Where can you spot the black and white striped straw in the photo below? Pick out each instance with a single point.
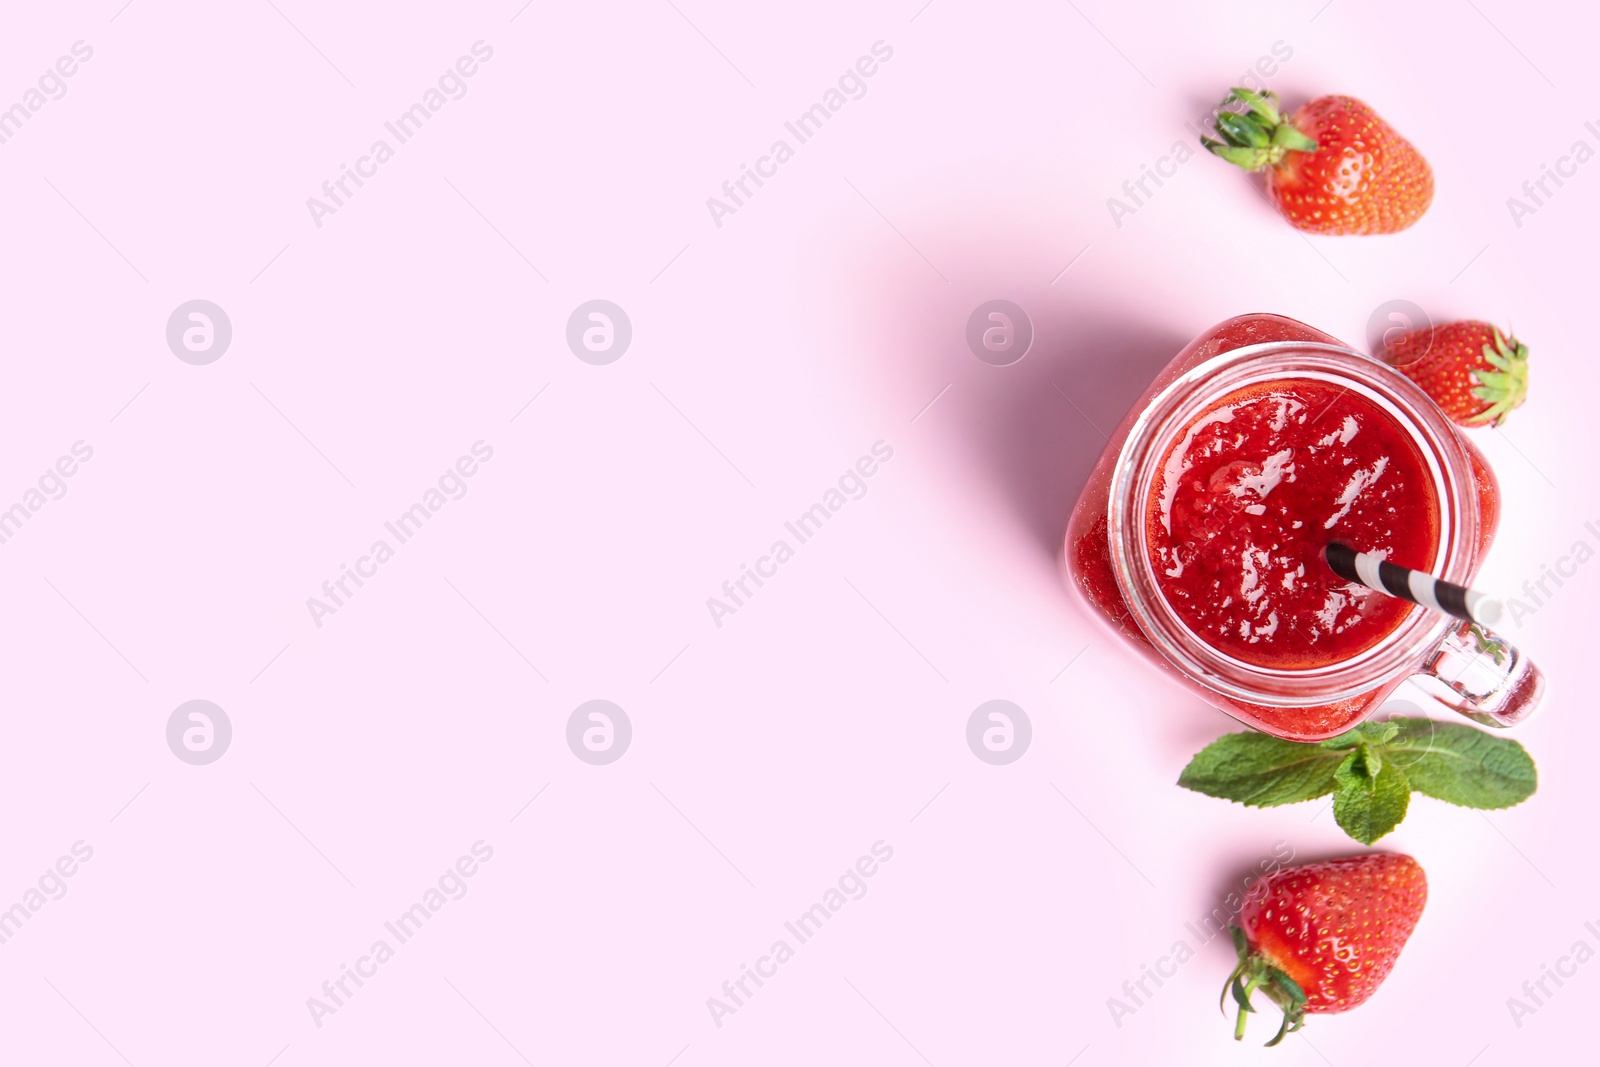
(1419, 587)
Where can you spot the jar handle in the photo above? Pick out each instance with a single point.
(1498, 685)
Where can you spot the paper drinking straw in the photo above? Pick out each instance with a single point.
(1419, 587)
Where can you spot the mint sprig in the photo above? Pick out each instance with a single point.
(1371, 771)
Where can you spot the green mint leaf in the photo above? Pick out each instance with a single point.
(1463, 765)
(1373, 755)
(1260, 770)
(1370, 798)
(1378, 733)
(1381, 732)
(1352, 770)
(1371, 770)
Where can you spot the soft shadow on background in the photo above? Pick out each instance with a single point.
(1014, 445)
(1028, 434)
(1045, 425)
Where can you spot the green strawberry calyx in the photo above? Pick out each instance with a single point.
(1255, 973)
(1503, 382)
(1258, 137)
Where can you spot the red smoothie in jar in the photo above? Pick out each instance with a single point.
(1088, 561)
(1248, 497)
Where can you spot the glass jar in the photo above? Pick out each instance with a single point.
(1107, 557)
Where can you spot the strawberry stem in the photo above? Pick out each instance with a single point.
(1254, 972)
(1243, 997)
(1258, 137)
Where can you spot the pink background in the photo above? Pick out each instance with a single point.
(771, 752)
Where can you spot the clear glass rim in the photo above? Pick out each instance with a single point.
(1175, 407)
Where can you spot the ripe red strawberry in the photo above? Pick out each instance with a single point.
(1336, 167)
(1322, 937)
(1472, 370)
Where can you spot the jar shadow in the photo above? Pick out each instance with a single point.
(1040, 430)
(1025, 435)
(1013, 442)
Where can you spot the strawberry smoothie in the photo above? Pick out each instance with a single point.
(1246, 500)
(1219, 522)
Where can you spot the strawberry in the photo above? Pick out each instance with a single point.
(1321, 938)
(1475, 373)
(1335, 166)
